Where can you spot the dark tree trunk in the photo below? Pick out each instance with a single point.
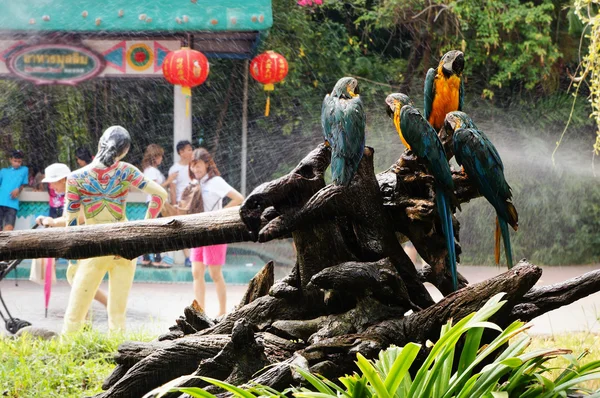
(353, 289)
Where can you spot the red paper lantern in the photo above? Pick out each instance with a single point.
(187, 68)
(269, 68)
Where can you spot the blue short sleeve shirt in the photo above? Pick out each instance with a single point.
(10, 179)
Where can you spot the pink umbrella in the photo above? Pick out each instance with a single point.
(48, 282)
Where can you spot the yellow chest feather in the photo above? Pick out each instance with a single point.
(447, 92)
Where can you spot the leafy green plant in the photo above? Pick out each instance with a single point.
(509, 369)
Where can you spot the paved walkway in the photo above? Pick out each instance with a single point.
(153, 307)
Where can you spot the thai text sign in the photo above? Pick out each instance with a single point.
(55, 64)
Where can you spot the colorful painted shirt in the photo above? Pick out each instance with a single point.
(102, 192)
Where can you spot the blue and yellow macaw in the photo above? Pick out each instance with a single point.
(481, 161)
(444, 88)
(418, 136)
(343, 121)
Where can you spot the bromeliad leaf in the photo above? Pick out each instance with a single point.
(372, 376)
(401, 364)
(315, 381)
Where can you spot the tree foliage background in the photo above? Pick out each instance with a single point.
(519, 55)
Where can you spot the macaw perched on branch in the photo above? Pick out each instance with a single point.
(343, 121)
(481, 161)
(418, 136)
(444, 88)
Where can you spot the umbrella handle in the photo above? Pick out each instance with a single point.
(47, 283)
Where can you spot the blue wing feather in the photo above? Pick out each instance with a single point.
(506, 238)
(326, 113)
(429, 93)
(483, 165)
(347, 123)
(426, 144)
(480, 159)
(448, 229)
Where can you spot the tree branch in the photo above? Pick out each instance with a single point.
(540, 300)
(128, 239)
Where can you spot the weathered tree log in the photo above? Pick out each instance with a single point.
(540, 300)
(129, 240)
(260, 284)
(141, 362)
(334, 340)
(236, 363)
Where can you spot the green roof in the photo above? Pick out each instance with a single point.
(141, 16)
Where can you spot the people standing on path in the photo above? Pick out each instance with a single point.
(184, 150)
(101, 189)
(55, 176)
(12, 181)
(206, 176)
(153, 157)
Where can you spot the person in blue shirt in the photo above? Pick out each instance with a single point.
(12, 181)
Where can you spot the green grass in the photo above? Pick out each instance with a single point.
(67, 367)
(579, 342)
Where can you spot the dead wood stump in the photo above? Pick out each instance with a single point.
(353, 289)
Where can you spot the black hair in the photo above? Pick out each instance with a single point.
(115, 142)
(17, 154)
(182, 144)
(84, 154)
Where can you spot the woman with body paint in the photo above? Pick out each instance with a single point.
(101, 189)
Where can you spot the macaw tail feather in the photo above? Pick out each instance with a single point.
(513, 217)
(446, 218)
(341, 171)
(506, 237)
(497, 243)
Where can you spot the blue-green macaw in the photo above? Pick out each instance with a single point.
(418, 136)
(343, 121)
(482, 164)
(444, 88)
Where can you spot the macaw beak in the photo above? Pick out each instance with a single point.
(455, 64)
(454, 124)
(352, 94)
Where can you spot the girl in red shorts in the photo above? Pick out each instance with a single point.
(204, 171)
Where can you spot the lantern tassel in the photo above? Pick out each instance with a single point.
(187, 91)
(268, 106)
(268, 88)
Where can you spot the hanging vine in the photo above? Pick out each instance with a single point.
(587, 12)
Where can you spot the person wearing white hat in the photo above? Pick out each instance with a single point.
(57, 172)
(56, 177)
